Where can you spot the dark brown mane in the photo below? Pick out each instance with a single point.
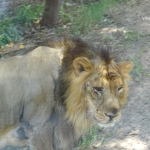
(105, 54)
(78, 48)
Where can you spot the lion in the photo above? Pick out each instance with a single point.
(53, 94)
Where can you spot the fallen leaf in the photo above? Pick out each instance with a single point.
(21, 46)
(37, 21)
(10, 45)
(136, 132)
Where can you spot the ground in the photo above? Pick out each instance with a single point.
(127, 29)
(132, 132)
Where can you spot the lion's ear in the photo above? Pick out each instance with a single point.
(125, 67)
(81, 64)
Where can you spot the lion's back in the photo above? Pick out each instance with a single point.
(27, 85)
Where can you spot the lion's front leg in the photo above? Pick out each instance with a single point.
(41, 138)
(13, 137)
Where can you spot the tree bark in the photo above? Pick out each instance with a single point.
(51, 13)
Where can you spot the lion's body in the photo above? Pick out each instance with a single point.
(27, 85)
(51, 96)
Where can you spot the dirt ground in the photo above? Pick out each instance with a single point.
(132, 132)
(127, 29)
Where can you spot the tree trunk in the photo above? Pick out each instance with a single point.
(51, 13)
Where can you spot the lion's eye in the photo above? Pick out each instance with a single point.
(120, 89)
(98, 89)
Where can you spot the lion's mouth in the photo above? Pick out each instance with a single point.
(104, 124)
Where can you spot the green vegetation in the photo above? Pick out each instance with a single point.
(24, 15)
(27, 14)
(75, 19)
(131, 36)
(8, 32)
(138, 70)
(79, 19)
(89, 138)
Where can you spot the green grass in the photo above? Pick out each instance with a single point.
(8, 32)
(130, 36)
(24, 15)
(89, 138)
(75, 20)
(27, 14)
(84, 17)
(138, 69)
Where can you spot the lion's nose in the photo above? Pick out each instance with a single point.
(110, 117)
(114, 111)
(112, 114)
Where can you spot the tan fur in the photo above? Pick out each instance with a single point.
(55, 94)
(27, 85)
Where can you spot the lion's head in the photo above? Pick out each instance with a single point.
(96, 85)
